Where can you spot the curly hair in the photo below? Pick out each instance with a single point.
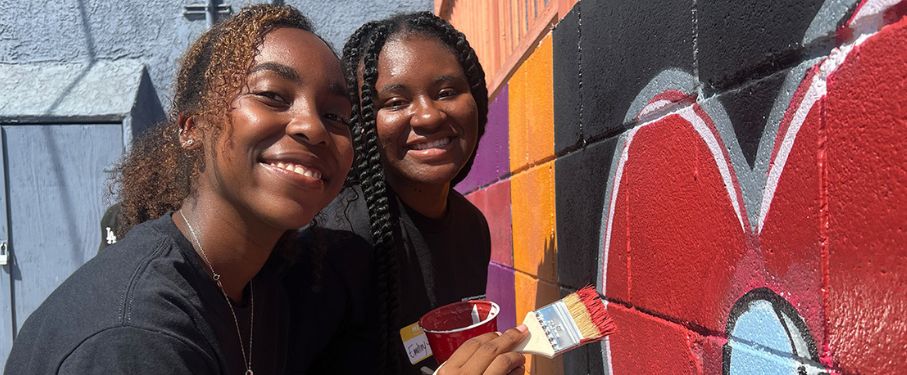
(360, 57)
(157, 174)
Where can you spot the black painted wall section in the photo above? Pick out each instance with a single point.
(580, 188)
(625, 44)
(743, 40)
(568, 128)
(748, 107)
(580, 195)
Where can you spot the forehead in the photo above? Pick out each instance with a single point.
(298, 49)
(416, 54)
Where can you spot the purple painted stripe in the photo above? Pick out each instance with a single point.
(493, 155)
(500, 290)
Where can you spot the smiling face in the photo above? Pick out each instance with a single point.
(427, 119)
(287, 149)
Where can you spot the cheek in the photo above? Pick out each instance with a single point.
(391, 128)
(467, 114)
(391, 137)
(344, 146)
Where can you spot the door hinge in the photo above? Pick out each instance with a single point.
(4, 253)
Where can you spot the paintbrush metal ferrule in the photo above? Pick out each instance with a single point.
(552, 331)
(559, 326)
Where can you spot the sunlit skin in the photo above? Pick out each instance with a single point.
(284, 158)
(427, 120)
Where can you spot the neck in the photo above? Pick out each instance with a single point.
(430, 200)
(235, 245)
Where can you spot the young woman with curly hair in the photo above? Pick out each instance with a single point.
(257, 143)
(400, 239)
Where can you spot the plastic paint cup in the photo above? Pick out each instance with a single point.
(449, 326)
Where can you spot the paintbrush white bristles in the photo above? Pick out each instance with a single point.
(581, 316)
(589, 313)
(577, 319)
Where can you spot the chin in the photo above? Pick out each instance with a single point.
(296, 221)
(291, 215)
(436, 179)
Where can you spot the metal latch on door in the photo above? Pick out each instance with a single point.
(4, 253)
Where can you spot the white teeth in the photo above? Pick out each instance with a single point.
(433, 144)
(298, 169)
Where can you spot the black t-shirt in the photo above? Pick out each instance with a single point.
(443, 261)
(145, 305)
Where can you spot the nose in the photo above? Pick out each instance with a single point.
(307, 126)
(427, 114)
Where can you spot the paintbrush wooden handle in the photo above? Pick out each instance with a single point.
(537, 342)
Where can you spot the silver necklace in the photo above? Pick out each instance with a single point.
(216, 277)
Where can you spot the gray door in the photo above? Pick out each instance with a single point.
(56, 182)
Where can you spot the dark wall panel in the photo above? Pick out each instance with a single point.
(625, 44)
(742, 40)
(568, 128)
(581, 179)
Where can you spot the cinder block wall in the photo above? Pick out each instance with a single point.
(730, 175)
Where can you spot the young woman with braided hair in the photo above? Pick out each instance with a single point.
(257, 143)
(417, 244)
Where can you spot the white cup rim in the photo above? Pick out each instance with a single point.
(492, 313)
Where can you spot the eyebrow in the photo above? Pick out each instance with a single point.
(288, 73)
(338, 89)
(396, 86)
(392, 87)
(283, 71)
(445, 78)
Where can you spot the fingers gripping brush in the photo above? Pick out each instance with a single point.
(577, 319)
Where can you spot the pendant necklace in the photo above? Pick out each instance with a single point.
(216, 277)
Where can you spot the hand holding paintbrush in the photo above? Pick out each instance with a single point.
(577, 319)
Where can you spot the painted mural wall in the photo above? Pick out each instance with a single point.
(730, 175)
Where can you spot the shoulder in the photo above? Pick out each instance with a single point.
(463, 210)
(137, 350)
(104, 294)
(347, 212)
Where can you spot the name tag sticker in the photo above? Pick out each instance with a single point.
(415, 343)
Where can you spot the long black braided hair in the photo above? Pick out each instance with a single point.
(360, 57)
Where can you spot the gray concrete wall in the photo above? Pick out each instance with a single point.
(153, 32)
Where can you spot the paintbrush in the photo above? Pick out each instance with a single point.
(577, 319)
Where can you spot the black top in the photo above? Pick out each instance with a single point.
(145, 305)
(443, 261)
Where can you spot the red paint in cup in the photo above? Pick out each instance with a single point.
(449, 326)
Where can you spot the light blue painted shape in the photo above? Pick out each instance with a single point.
(746, 360)
(760, 343)
(57, 181)
(6, 312)
(761, 325)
